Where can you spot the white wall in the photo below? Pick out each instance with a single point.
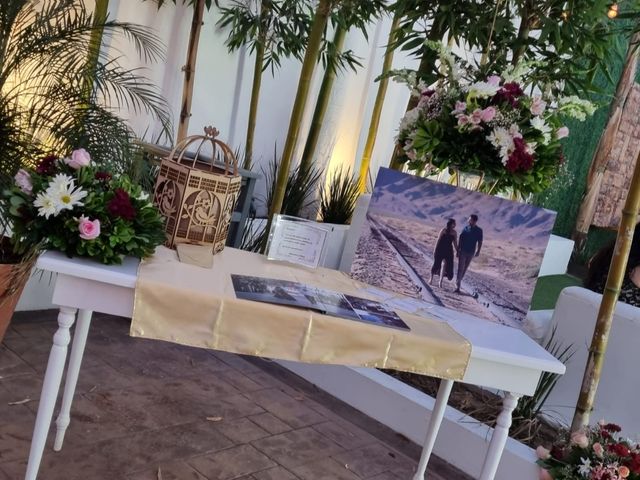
(223, 80)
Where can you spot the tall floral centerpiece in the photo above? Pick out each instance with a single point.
(77, 207)
(491, 125)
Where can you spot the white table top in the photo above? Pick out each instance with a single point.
(490, 342)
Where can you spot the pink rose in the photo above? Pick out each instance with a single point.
(545, 475)
(579, 439)
(460, 107)
(476, 116)
(79, 158)
(494, 80)
(562, 132)
(543, 453)
(537, 106)
(23, 181)
(463, 120)
(598, 450)
(89, 229)
(488, 114)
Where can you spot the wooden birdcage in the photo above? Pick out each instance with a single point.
(197, 197)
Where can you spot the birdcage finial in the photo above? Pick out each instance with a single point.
(211, 131)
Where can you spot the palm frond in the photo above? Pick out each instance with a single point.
(52, 98)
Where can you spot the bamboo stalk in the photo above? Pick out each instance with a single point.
(304, 83)
(610, 296)
(253, 106)
(95, 43)
(322, 102)
(605, 144)
(374, 123)
(523, 32)
(190, 69)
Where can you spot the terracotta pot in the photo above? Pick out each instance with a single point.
(13, 278)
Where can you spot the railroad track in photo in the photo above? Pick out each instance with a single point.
(478, 297)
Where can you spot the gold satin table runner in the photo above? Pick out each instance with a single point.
(196, 306)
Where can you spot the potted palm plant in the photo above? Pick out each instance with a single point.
(337, 204)
(59, 92)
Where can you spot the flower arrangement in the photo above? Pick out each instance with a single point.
(72, 205)
(596, 453)
(486, 124)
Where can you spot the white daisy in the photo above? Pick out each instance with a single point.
(46, 205)
(66, 199)
(61, 183)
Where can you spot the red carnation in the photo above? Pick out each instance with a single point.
(103, 176)
(520, 160)
(509, 93)
(120, 205)
(47, 165)
(619, 449)
(612, 427)
(634, 464)
(557, 452)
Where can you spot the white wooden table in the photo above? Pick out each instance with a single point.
(502, 358)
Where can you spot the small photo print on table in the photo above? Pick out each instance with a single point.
(295, 294)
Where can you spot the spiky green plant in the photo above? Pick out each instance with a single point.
(59, 90)
(338, 199)
(299, 197)
(530, 407)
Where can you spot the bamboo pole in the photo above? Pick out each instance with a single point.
(610, 296)
(605, 144)
(253, 106)
(95, 43)
(190, 69)
(304, 83)
(322, 102)
(374, 123)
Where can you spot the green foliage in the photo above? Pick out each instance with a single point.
(280, 26)
(338, 200)
(299, 194)
(44, 74)
(530, 407)
(569, 41)
(126, 221)
(348, 15)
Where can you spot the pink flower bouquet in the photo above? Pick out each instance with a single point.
(487, 125)
(597, 453)
(72, 205)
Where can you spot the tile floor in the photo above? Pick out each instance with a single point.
(147, 410)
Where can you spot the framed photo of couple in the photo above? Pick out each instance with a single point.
(453, 247)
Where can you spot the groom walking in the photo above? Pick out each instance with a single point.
(468, 247)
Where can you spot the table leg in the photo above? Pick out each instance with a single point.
(434, 425)
(73, 370)
(50, 388)
(499, 437)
